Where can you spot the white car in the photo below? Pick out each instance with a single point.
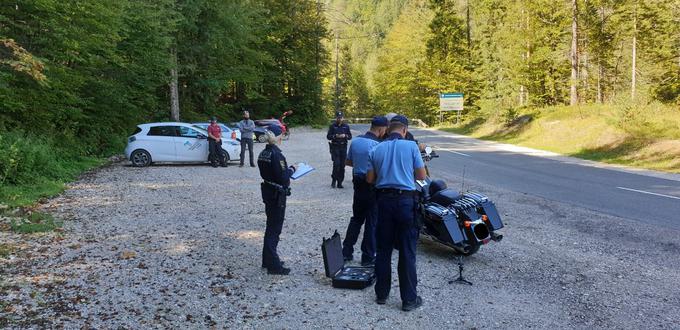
(173, 142)
(227, 132)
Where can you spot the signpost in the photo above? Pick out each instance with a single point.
(450, 102)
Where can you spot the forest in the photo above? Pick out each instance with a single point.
(77, 76)
(400, 54)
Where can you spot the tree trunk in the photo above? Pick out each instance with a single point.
(337, 85)
(174, 90)
(633, 76)
(574, 53)
(524, 91)
(469, 38)
(600, 67)
(599, 83)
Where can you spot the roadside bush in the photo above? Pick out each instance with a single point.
(509, 115)
(26, 159)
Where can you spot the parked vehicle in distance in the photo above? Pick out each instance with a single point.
(173, 142)
(228, 132)
(258, 134)
(262, 125)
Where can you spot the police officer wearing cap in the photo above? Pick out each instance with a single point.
(409, 136)
(338, 135)
(275, 174)
(394, 165)
(364, 209)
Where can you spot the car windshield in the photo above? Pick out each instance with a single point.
(200, 129)
(204, 126)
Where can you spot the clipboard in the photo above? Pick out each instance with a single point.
(302, 170)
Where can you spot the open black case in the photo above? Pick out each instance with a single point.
(350, 277)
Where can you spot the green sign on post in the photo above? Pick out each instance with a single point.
(451, 102)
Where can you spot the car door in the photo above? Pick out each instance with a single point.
(161, 143)
(191, 145)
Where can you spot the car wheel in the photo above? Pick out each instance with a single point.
(262, 138)
(224, 158)
(140, 158)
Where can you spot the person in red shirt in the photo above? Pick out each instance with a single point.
(214, 140)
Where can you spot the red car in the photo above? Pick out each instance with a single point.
(265, 123)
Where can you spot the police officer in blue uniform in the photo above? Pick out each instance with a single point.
(364, 209)
(394, 165)
(338, 135)
(275, 174)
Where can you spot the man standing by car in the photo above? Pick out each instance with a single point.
(338, 135)
(394, 165)
(275, 174)
(364, 209)
(246, 126)
(214, 141)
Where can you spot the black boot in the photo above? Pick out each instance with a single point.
(333, 184)
(280, 271)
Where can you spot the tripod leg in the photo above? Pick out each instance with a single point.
(460, 279)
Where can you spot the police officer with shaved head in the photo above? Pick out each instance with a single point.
(364, 209)
(338, 135)
(393, 167)
(275, 174)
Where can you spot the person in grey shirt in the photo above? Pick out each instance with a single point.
(246, 126)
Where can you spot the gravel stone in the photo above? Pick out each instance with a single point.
(179, 246)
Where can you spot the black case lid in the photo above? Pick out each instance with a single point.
(332, 255)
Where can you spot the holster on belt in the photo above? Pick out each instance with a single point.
(360, 180)
(417, 213)
(280, 192)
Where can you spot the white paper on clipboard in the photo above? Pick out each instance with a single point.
(302, 170)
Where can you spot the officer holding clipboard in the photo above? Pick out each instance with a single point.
(275, 188)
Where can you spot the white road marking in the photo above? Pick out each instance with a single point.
(459, 153)
(648, 193)
(451, 150)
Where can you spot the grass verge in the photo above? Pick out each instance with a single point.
(35, 222)
(6, 250)
(34, 167)
(644, 136)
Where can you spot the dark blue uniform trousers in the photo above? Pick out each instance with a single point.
(396, 226)
(275, 215)
(365, 212)
(338, 155)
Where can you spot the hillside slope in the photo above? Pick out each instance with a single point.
(640, 136)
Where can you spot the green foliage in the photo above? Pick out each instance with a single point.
(32, 167)
(5, 251)
(510, 54)
(26, 159)
(398, 84)
(35, 222)
(77, 76)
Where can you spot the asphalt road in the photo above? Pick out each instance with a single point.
(648, 197)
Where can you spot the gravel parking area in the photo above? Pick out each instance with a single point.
(179, 246)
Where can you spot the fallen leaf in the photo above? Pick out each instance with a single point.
(126, 255)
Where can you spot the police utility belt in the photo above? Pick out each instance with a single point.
(279, 188)
(399, 192)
